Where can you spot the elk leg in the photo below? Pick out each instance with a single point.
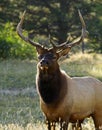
(97, 118)
(48, 125)
(78, 125)
(53, 125)
(73, 126)
(65, 125)
(61, 126)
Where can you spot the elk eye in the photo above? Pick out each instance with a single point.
(51, 56)
(54, 57)
(40, 57)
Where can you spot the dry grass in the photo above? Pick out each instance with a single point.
(40, 126)
(84, 64)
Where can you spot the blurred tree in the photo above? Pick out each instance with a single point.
(54, 17)
(95, 26)
(46, 17)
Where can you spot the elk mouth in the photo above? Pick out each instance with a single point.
(44, 67)
(44, 64)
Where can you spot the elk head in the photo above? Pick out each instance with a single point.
(49, 56)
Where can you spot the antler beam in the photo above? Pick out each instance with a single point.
(26, 39)
(83, 34)
(70, 45)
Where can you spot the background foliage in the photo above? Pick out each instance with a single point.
(59, 18)
(19, 103)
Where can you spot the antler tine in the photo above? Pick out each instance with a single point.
(58, 47)
(52, 42)
(82, 20)
(19, 31)
(83, 33)
(61, 46)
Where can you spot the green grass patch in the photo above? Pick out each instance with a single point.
(17, 74)
(19, 110)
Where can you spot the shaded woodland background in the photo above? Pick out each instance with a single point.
(59, 18)
(19, 102)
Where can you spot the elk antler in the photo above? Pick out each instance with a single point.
(64, 46)
(27, 39)
(83, 34)
(67, 47)
(57, 47)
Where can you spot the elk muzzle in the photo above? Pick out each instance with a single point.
(44, 63)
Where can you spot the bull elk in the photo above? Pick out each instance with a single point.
(64, 99)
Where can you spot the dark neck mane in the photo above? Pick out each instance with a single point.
(49, 86)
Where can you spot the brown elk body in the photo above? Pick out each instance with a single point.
(62, 98)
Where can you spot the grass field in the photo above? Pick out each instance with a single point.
(19, 102)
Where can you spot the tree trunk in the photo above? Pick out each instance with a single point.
(83, 47)
(62, 22)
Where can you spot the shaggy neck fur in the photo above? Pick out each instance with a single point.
(49, 85)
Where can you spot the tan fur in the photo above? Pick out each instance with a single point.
(83, 98)
(75, 98)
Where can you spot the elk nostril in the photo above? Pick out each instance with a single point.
(44, 62)
(47, 62)
(41, 62)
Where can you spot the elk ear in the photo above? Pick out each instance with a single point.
(64, 52)
(39, 50)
